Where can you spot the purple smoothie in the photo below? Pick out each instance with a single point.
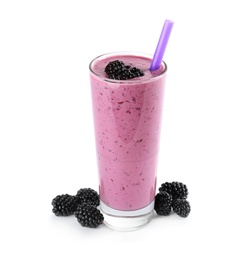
(127, 120)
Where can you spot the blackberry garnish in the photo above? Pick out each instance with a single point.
(114, 67)
(181, 207)
(64, 205)
(178, 190)
(163, 203)
(88, 196)
(118, 70)
(88, 216)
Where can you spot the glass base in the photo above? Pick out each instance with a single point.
(127, 220)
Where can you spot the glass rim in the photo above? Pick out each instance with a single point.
(131, 81)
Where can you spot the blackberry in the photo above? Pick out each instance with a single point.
(163, 203)
(181, 207)
(118, 70)
(88, 216)
(64, 205)
(178, 190)
(88, 196)
(114, 67)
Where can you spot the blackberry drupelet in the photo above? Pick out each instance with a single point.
(118, 70)
(88, 216)
(178, 190)
(64, 205)
(163, 203)
(181, 207)
(88, 196)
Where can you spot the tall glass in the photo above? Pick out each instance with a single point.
(127, 123)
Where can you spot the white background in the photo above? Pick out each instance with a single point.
(46, 126)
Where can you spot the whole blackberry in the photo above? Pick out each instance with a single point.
(88, 216)
(118, 70)
(64, 205)
(178, 190)
(88, 196)
(114, 67)
(181, 207)
(163, 203)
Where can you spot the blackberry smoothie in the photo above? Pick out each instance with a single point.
(127, 121)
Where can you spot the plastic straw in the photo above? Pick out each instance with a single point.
(161, 46)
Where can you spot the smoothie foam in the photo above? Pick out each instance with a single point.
(127, 119)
